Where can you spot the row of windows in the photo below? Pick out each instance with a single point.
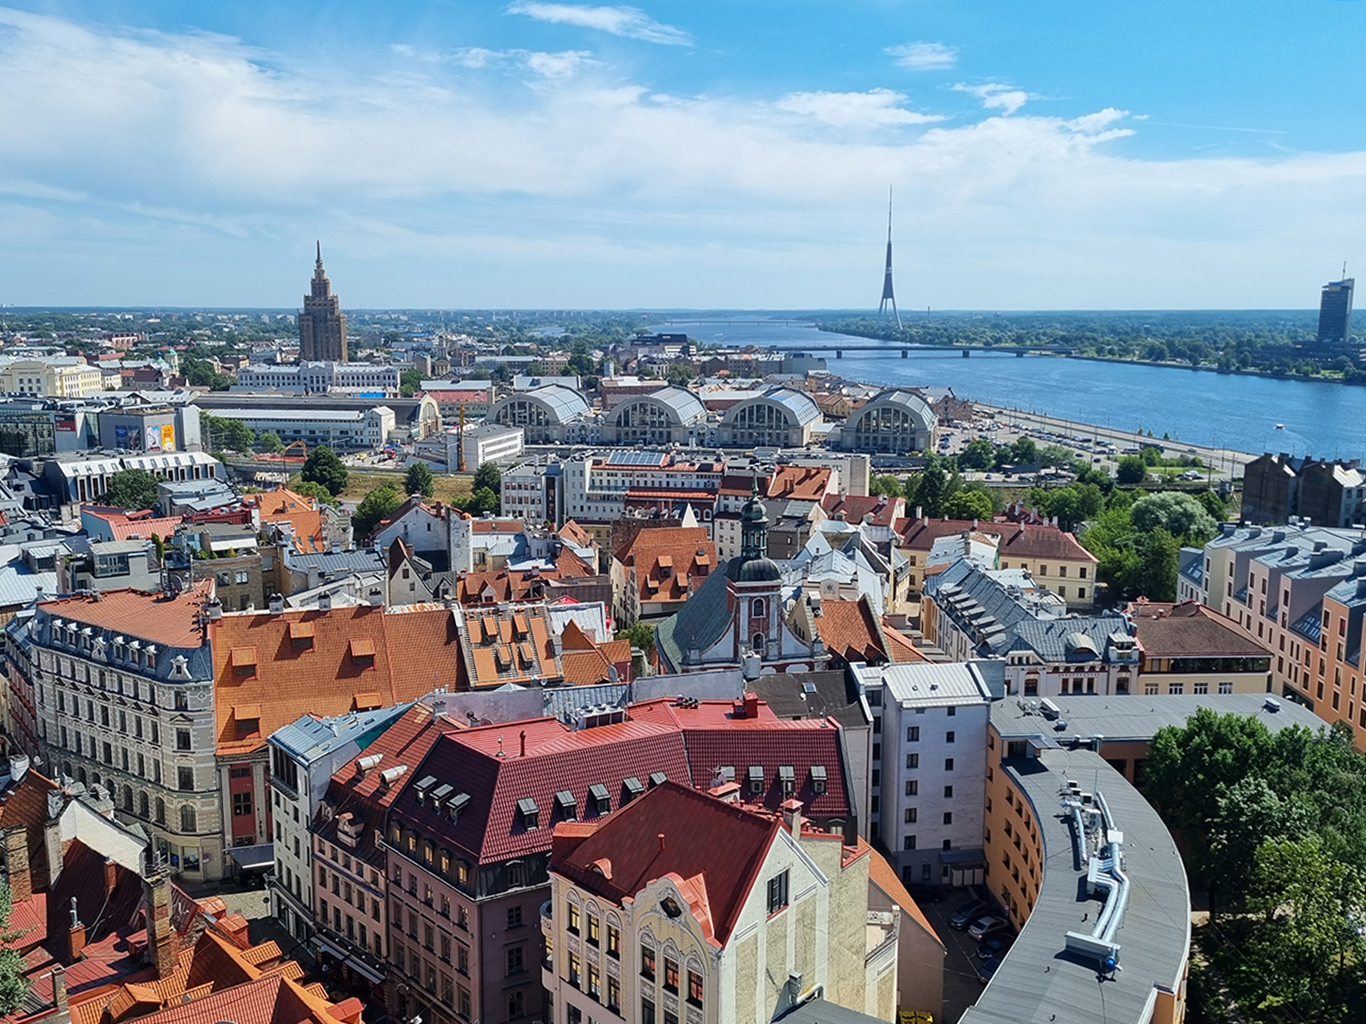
(593, 931)
(106, 753)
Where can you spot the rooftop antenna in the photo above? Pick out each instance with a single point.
(887, 295)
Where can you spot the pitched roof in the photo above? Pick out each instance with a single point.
(797, 695)
(26, 805)
(148, 615)
(357, 658)
(285, 506)
(1025, 540)
(124, 525)
(885, 511)
(506, 644)
(852, 630)
(715, 847)
(883, 875)
(801, 482)
(1191, 630)
(669, 562)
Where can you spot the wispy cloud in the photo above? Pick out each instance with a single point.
(923, 56)
(995, 96)
(562, 64)
(850, 109)
(630, 22)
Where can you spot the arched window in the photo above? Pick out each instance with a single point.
(186, 818)
(760, 644)
(143, 804)
(80, 775)
(128, 799)
(161, 811)
(757, 608)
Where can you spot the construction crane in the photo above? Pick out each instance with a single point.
(460, 441)
(303, 449)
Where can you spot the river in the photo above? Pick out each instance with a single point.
(1196, 406)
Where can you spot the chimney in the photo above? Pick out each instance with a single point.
(161, 940)
(215, 609)
(661, 842)
(18, 768)
(751, 705)
(16, 857)
(63, 1012)
(727, 792)
(324, 602)
(111, 877)
(523, 744)
(792, 817)
(276, 604)
(75, 939)
(376, 597)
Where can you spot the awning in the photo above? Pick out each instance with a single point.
(963, 858)
(260, 857)
(359, 966)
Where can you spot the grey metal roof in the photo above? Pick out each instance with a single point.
(930, 684)
(1135, 717)
(18, 586)
(309, 738)
(1038, 981)
(358, 560)
(698, 624)
(565, 702)
(830, 695)
(560, 403)
(905, 401)
(798, 404)
(818, 1011)
(1085, 638)
(680, 404)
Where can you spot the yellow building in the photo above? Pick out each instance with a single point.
(686, 907)
(58, 377)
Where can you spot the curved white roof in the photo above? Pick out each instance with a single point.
(798, 404)
(682, 405)
(904, 400)
(561, 404)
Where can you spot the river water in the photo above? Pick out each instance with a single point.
(1196, 406)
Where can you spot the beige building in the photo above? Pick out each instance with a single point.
(58, 377)
(687, 907)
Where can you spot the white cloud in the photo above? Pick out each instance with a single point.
(563, 64)
(923, 56)
(995, 96)
(631, 22)
(848, 109)
(447, 188)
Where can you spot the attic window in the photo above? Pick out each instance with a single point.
(727, 772)
(756, 778)
(818, 778)
(247, 718)
(243, 661)
(530, 814)
(369, 701)
(458, 803)
(301, 634)
(657, 778)
(787, 775)
(421, 786)
(519, 626)
(441, 793)
(490, 629)
(568, 806)
(634, 787)
(602, 800)
(502, 654)
(363, 652)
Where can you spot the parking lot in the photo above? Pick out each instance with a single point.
(961, 987)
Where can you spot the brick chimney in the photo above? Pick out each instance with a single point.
(75, 937)
(161, 940)
(792, 817)
(751, 705)
(111, 877)
(62, 1013)
(16, 857)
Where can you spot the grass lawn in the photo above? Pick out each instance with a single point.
(361, 483)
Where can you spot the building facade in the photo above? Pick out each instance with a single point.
(322, 324)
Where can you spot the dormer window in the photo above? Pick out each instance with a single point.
(634, 787)
(529, 813)
(818, 778)
(421, 786)
(787, 776)
(151, 656)
(657, 779)
(756, 778)
(567, 805)
(456, 804)
(362, 651)
(243, 662)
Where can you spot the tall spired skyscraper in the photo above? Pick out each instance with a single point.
(322, 324)
(887, 295)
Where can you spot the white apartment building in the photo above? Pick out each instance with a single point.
(51, 377)
(303, 757)
(529, 492)
(597, 486)
(685, 908)
(122, 685)
(929, 767)
(339, 429)
(321, 377)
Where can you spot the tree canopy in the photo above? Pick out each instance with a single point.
(381, 502)
(488, 477)
(13, 985)
(419, 480)
(131, 489)
(324, 467)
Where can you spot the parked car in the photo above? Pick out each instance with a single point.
(967, 913)
(986, 970)
(987, 926)
(994, 947)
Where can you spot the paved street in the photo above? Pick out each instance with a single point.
(961, 987)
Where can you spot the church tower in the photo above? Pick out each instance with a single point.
(322, 324)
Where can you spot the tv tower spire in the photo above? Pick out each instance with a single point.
(887, 294)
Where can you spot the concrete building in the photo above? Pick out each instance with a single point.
(339, 429)
(83, 479)
(150, 428)
(777, 418)
(1277, 488)
(322, 324)
(488, 442)
(123, 684)
(413, 418)
(932, 766)
(1190, 648)
(688, 906)
(110, 565)
(1335, 311)
(321, 377)
(304, 755)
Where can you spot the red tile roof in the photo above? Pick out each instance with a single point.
(148, 616)
(715, 848)
(851, 630)
(126, 525)
(885, 511)
(1190, 630)
(800, 483)
(1017, 540)
(669, 563)
(357, 657)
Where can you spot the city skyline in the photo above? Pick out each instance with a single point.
(544, 155)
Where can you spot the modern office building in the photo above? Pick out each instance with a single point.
(322, 324)
(1335, 310)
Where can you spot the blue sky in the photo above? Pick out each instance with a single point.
(681, 154)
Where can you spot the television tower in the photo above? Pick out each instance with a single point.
(887, 295)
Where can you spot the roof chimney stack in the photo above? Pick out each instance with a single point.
(523, 743)
(661, 842)
(16, 857)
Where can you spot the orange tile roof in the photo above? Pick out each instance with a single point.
(881, 874)
(885, 511)
(800, 483)
(669, 562)
(355, 658)
(852, 630)
(507, 645)
(285, 506)
(146, 615)
(127, 525)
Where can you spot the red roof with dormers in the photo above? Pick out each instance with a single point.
(711, 848)
(885, 511)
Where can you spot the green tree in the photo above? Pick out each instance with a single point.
(418, 480)
(375, 506)
(159, 546)
(408, 382)
(318, 492)
(1130, 470)
(885, 484)
(13, 985)
(680, 373)
(132, 489)
(968, 505)
(979, 453)
(1025, 451)
(1213, 504)
(931, 485)
(269, 441)
(1181, 515)
(323, 467)
(1159, 558)
(1247, 814)
(641, 634)
(488, 476)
